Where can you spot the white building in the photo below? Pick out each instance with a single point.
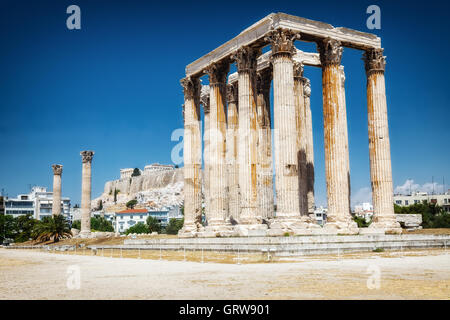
(364, 210)
(128, 218)
(156, 167)
(321, 215)
(38, 203)
(442, 199)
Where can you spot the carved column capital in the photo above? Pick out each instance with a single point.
(330, 51)
(87, 156)
(232, 92)
(218, 73)
(282, 41)
(245, 58)
(57, 169)
(263, 80)
(298, 70)
(374, 60)
(191, 88)
(306, 87)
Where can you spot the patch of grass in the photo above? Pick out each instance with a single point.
(378, 250)
(287, 234)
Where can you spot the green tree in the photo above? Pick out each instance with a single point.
(52, 228)
(99, 223)
(433, 215)
(131, 204)
(137, 228)
(136, 172)
(153, 224)
(361, 222)
(174, 225)
(23, 226)
(7, 227)
(115, 194)
(76, 224)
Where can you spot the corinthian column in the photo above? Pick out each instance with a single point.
(379, 145)
(192, 158)
(207, 158)
(232, 151)
(336, 162)
(86, 157)
(56, 204)
(264, 167)
(218, 171)
(309, 148)
(302, 147)
(344, 125)
(248, 135)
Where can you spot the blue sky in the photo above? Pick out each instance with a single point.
(113, 86)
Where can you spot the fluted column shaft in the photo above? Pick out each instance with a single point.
(232, 151)
(264, 167)
(56, 204)
(218, 205)
(207, 158)
(248, 136)
(379, 144)
(309, 146)
(192, 156)
(285, 127)
(336, 160)
(86, 192)
(344, 125)
(301, 138)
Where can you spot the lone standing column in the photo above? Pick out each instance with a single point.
(338, 218)
(218, 205)
(86, 193)
(309, 147)
(192, 157)
(56, 205)
(379, 145)
(248, 136)
(264, 168)
(232, 151)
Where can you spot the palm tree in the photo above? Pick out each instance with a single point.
(52, 228)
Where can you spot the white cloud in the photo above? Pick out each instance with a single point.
(410, 187)
(362, 195)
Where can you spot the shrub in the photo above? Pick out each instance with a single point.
(174, 226)
(153, 225)
(137, 228)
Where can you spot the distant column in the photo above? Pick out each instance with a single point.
(344, 125)
(217, 214)
(86, 157)
(264, 168)
(309, 147)
(339, 219)
(248, 136)
(56, 204)
(207, 156)
(379, 145)
(232, 151)
(192, 157)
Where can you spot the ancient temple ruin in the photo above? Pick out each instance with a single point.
(237, 178)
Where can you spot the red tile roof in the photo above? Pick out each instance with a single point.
(133, 211)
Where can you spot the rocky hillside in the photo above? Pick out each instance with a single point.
(155, 190)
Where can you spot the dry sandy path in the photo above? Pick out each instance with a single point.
(37, 275)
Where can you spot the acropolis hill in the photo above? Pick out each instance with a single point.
(153, 188)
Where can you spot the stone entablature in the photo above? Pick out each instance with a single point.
(156, 167)
(126, 173)
(309, 30)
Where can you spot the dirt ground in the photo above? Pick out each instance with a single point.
(27, 274)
